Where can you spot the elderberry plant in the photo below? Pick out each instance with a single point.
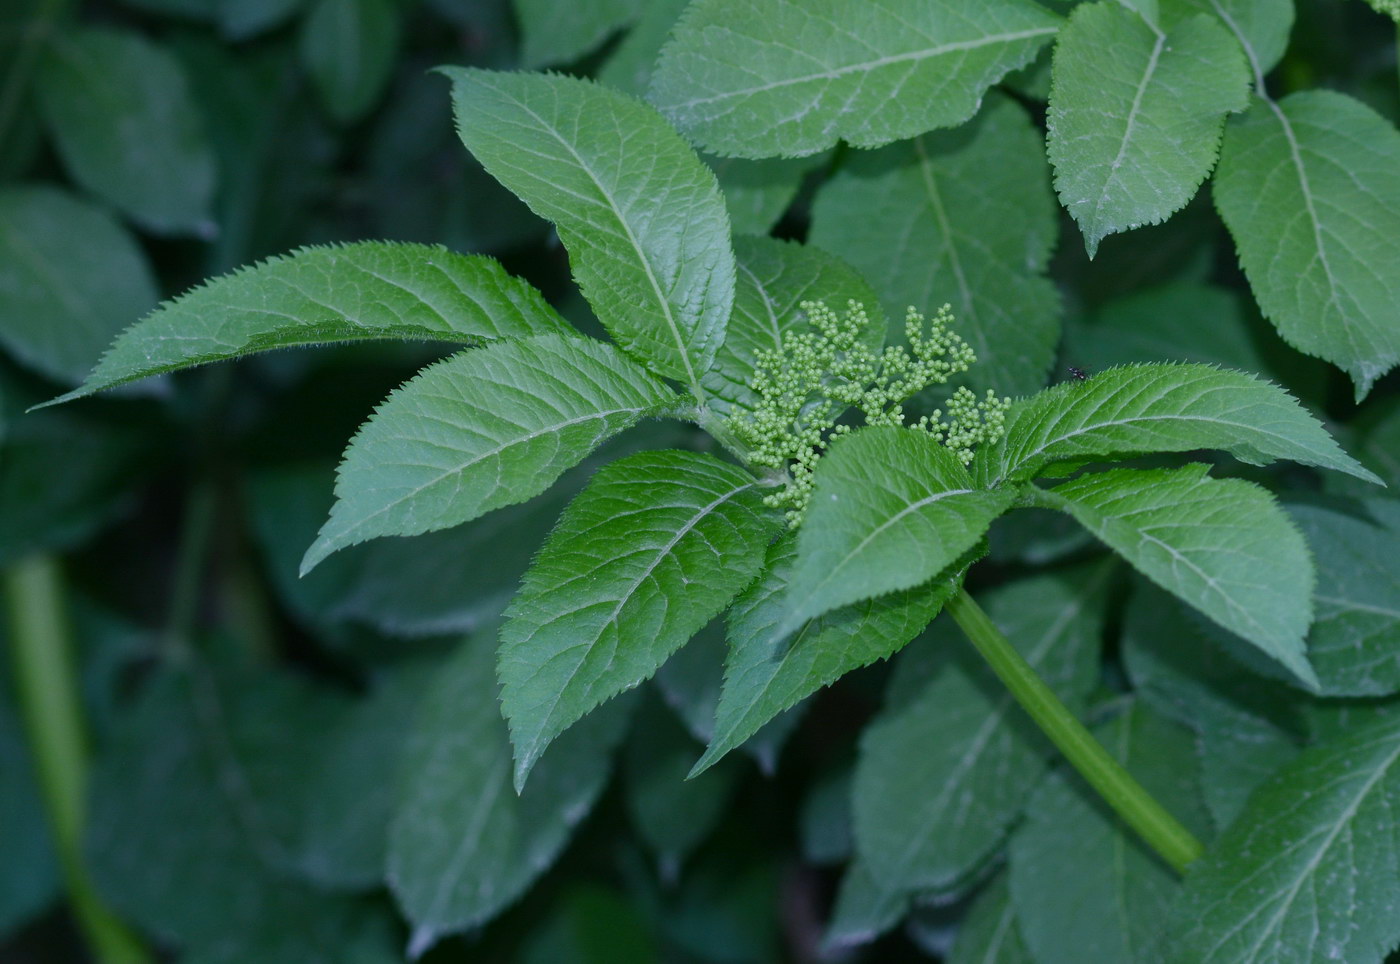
(807, 382)
(630, 512)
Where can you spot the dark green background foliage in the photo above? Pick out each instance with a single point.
(473, 699)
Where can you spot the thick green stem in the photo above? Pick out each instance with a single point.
(1125, 795)
(41, 645)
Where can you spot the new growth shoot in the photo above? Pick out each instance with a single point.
(807, 383)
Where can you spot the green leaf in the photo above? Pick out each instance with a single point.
(756, 193)
(671, 814)
(1356, 635)
(1260, 26)
(768, 670)
(1222, 545)
(891, 508)
(942, 776)
(630, 66)
(1391, 8)
(206, 752)
(1085, 887)
(774, 278)
(590, 622)
(647, 232)
(1320, 246)
(462, 845)
(1160, 408)
(1246, 726)
(989, 933)
(864, 909)
(70, 277)
(349, 48)
(592, 926)
(1184, 321)
(554, 33)
(825, 820)
(33, 882)
(120, 112)
(244, 19)
(1309, 871)
(777, 77)
(486, 428)
(1136, 112)
(965, 217)
(314, 295)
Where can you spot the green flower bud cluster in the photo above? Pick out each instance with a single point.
(806, 384)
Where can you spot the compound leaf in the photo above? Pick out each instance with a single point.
(780, 77)
(654, 547)
(891, 508)
(1137, 409)
(1310, 189)
(1309, 871)
(485, 428)
(1221, 545)
(314, 295)
(965, 217)
(641, 215)
(1136, 112)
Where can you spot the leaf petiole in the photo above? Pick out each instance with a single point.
(1158, 828)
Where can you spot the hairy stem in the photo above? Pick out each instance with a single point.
(1158, 828)
(41, 645)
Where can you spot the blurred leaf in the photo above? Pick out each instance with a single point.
(71, 278)
(964, 217)
(589, 623)
(349, 48)
(314, 295)
(1321, 247)
(1356, 633)
(1136, 112)
(462, 845)
(631, 64)
(592, 926)
(1206, 541)
(891, 508)
(774, 278)
(31, 881)
(555, 33)
(1160, 408)
(1309, 871)
(825, 820)
(486, 428)
(120, 112)
(1085, 887)
(989, 934)
(647, 233)
(942, 777)
(219, 760)
(733, 79)
(242, 19)
(864, 908)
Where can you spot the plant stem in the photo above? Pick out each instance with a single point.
(1158, 828)
(41, 644)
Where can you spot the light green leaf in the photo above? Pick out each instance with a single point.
(1160, 408)
(314, 295)
(774, 278)
(462, 845)
(486, 428)
(349, 48)
(70, 278)
(1260, 26)
(989, 934)
(1310, 871)
(1222, 545)
(965, 217)
(1136, 112)
(555, 33)
(590, 622)
(891, 508)
(1246, 726)
(942, 775)
(647, 232)
(1391, 8)
(121, 114)
(1356, 635)
(779, 77)
(1321, 243)
(1086, 888)
(768, 671)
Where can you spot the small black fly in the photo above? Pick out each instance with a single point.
(1078, 374)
